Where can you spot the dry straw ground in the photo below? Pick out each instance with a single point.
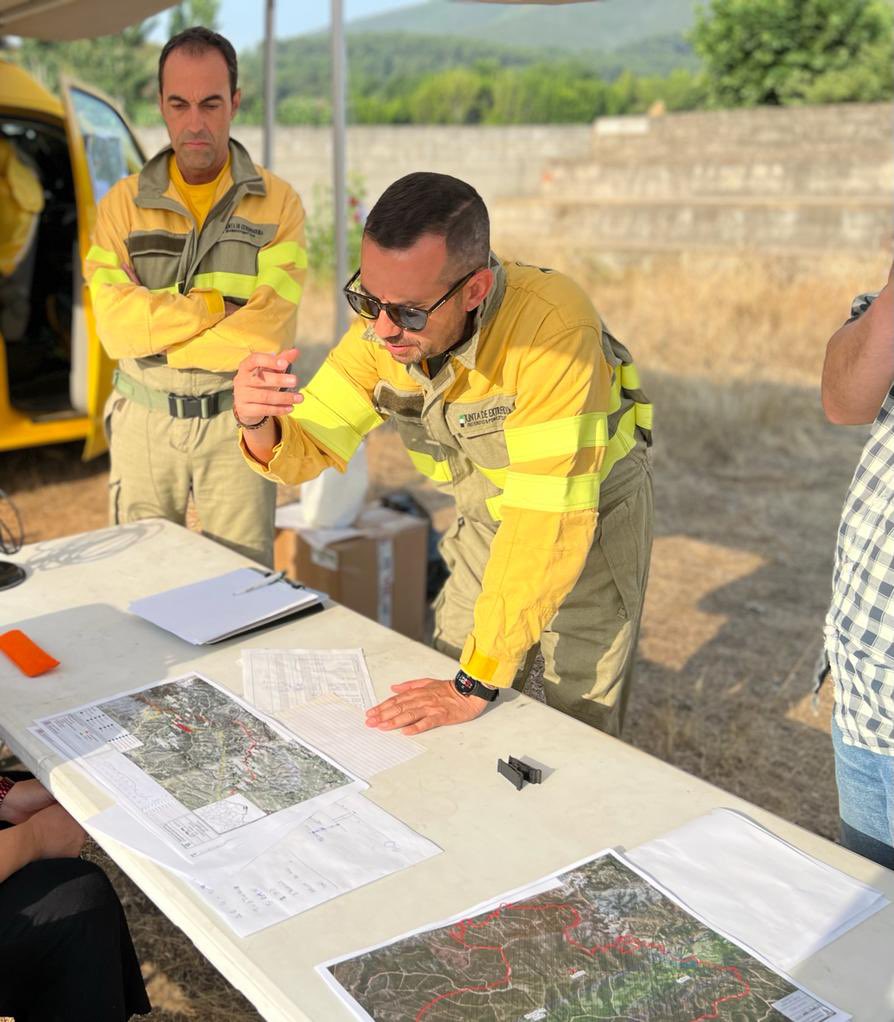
(749, 481)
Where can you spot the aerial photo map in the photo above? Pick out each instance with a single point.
(194, 761)
(604, 944)
(203, 747)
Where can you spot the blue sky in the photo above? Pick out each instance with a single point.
(242, 21)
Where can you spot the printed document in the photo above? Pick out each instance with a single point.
(340, 730)
(280, 679)
(596, 940)
(339, 848)
(199, 765)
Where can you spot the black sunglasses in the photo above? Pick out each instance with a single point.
(405, 316)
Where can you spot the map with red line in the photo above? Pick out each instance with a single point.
(604, 944)
(214, 755)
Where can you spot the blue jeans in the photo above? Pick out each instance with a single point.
(865, 800)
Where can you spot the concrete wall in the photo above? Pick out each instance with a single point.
(777, 180)
(498, 161)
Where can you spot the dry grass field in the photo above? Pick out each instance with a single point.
(749, 481)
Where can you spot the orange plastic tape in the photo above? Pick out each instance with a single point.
(25, 654)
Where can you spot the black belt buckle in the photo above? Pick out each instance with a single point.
(182, 406)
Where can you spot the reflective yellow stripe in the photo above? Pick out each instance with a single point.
(629, 377)
(494, 506)
(496, 475)
(340, 431)
(106, 276)
(243, 285)
(233, 285)
(551, 493)
(102, 255)
(325, 425)
(333, 389)
(285, 286)
(437, 471)
(643, 415)
(282, 254)
(561, 436)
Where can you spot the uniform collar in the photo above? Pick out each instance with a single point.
(466, 352)
(155, 179)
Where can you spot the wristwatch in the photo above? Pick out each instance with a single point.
(466, 685)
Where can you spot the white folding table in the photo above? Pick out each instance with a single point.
(597, 793)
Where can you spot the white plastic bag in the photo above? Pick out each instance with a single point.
(334, 499)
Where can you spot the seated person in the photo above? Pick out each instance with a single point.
(21, 203)
(65, 947)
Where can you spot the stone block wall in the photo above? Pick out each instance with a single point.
(498, 161)
(780, 180)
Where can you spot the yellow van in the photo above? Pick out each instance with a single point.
(54, 375)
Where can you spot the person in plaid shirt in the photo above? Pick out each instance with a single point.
(858, 387)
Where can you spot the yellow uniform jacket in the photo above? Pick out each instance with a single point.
(250, 251)
(522, 423)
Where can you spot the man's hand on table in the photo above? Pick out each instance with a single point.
(25, 798)
(423, 704)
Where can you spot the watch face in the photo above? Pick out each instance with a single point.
(464, 684)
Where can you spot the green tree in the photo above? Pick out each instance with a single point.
(194, 12)
(546, 94)
(123, 65)
(795, 51)
(303, 110)
(460, 95)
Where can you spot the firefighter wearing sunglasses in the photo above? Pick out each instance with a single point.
(509, 392)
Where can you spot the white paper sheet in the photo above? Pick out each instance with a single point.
(198, 765)
(407, 971)
(280, 679)
(756, 887)
(339, 728)
(340, 848)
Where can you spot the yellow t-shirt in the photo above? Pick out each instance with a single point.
(198, 199)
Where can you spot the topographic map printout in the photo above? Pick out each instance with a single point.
(597, 941)
(197, 763)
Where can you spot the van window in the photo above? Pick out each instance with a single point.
(111, 150)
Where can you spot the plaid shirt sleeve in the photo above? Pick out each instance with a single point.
(859, 628)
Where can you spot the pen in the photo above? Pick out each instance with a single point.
(267, 581)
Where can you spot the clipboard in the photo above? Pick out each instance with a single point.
(218, 608)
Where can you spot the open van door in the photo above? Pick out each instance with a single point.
(103, 150)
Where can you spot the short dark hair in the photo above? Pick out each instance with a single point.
(428, 203)
(196, 41)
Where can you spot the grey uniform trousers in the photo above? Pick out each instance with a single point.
(589, 647)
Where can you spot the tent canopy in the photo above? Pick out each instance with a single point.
(73, 19)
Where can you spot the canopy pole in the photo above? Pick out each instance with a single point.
(339, 147)
(269, 82)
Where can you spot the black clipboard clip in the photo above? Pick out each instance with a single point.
(519, 773)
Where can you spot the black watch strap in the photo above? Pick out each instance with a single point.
(466, 685)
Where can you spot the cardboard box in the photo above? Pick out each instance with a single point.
(378, 569)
